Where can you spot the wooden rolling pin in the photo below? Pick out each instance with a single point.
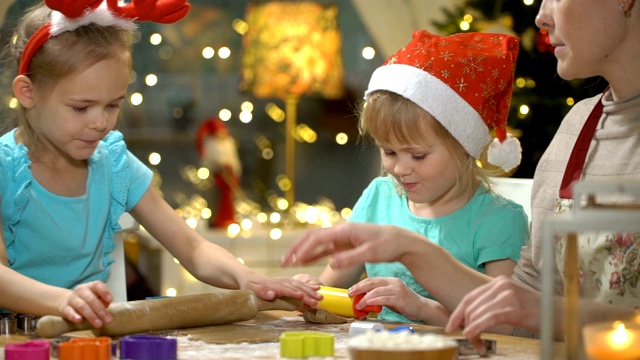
(132, 317)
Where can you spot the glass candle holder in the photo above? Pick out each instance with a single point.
(612, 340)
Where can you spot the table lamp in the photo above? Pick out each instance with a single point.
(291, 49)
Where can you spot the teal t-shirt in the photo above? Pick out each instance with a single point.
(66, 241)
(489, 227)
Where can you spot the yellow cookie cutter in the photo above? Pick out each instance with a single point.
(304, 344)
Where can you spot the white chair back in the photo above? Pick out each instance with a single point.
(117, 282)
(515, 189)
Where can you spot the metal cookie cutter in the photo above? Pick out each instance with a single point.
(465, 348)
(304, 344)
(30, 350)
(147, 347)
(27, 323)
(54, 343)
(8, 323)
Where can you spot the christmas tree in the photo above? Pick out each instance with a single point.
(540, 97)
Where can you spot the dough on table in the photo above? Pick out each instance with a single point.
(319, 316)
(265, 327)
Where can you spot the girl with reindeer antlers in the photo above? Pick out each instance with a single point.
(66, 176)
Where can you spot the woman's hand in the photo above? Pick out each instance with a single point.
(499, 302)
(397, 296)
(270, 288)
(352, 244)
(88, 301)
(308, 279)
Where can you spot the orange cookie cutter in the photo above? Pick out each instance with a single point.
(85, 349)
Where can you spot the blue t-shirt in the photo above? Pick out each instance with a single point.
(489, 227)
(66, 241)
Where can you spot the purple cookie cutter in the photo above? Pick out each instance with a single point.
(145, 347)
(30, 350)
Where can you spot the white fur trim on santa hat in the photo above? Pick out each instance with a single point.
(438, 99)
(101, 16)
(506, 154)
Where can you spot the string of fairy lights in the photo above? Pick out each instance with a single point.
(280, 215)
(249, 212)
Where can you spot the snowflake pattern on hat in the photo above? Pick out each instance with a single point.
(465, 81)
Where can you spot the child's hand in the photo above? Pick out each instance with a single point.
(397, 296)
(268, 288)
(88, 301)
(307, 279)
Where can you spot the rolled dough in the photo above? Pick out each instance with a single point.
(265, 327)
(319, 316)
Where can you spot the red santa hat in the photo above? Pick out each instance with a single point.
(68, 15)
(465, 81)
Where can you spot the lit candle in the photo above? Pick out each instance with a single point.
(603, 341)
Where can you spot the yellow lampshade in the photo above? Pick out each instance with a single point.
(292, 49)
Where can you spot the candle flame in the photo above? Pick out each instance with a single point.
(620, 337)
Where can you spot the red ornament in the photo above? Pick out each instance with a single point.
(543, 43)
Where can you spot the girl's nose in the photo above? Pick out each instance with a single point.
(402, 168)
(99, 122)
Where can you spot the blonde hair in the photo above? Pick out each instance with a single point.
(389, 117)
(63, 55)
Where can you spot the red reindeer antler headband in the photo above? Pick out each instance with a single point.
(68, 15)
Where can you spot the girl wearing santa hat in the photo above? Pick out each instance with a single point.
(430, 108)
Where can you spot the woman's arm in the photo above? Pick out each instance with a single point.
(500, 267)
(352, 244)
(341, 278)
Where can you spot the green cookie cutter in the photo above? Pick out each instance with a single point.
(304, 344)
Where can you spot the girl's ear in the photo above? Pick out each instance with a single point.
(23, 91)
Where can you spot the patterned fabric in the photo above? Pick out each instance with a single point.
(609, 265)
(609, 269)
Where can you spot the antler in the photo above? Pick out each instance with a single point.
(160, 11)
(72, 8)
